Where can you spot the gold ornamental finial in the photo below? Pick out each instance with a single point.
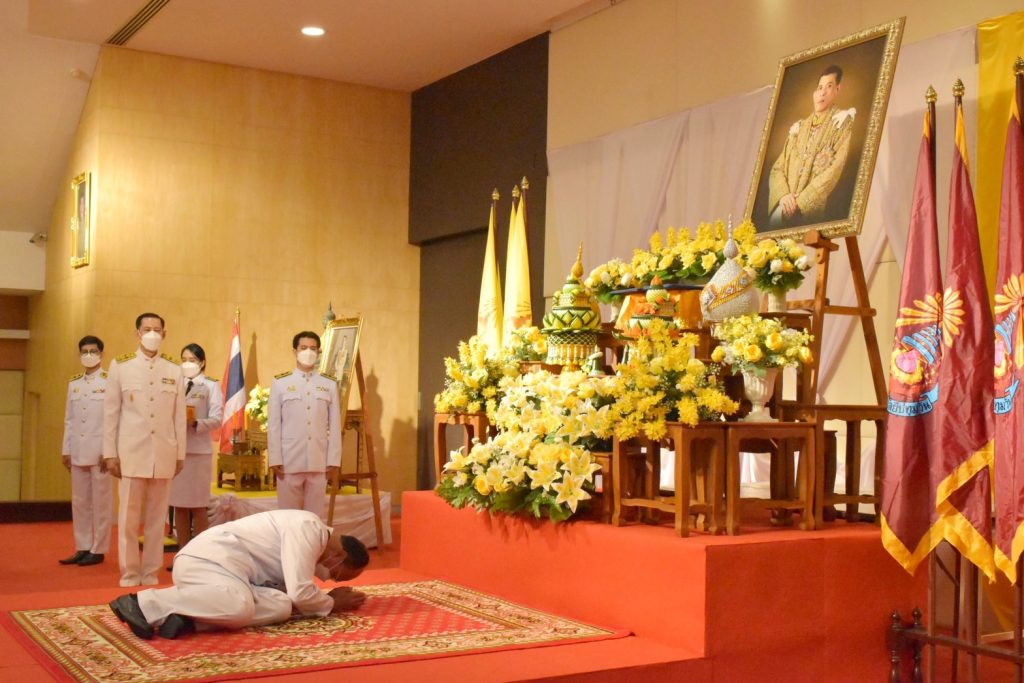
(515, 192)
(525, 184)
(1018, 67)
(930, 96)
(494, 195)
(577, 268)
(958, 88)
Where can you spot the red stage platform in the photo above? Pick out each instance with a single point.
(767, 605)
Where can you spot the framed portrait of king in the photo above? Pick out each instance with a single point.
(338, 356)
(820, 141)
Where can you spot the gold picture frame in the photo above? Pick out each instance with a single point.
(81, 223)
(814, 171)
(339, 353)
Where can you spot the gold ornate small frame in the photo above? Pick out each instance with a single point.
(868, 59)
(81, 223)
(338, 355)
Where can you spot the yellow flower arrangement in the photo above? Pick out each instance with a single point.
(662, 381)
(608, 277)
(682, 257)
(754, 344)
(540, 461)
(256, 406)
(527, 344)
(778, 265)
(472, 382)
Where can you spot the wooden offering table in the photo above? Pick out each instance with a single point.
(778, 434)
(475, 425)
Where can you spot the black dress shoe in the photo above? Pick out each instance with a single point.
(74, 559)
(126, 608)
(90, 558)
(176, 625)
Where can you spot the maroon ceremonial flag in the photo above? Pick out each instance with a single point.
(1009, 351)
(962, 449)
(910, 528)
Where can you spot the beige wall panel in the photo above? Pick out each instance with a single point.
(221, 188)
(10, 437)
(12, 390)
(10, 480)
(643, 59)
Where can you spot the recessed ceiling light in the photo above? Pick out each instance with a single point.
(312, 31)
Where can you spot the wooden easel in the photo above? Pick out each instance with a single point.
(356, 420)
(807, 407)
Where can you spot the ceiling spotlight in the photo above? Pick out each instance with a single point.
(312, 31)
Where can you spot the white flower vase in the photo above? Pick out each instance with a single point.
(777, 301)
(758, 391)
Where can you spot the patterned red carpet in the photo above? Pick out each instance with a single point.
(399, 621)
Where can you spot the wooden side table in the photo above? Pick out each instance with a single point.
(801, 499)
(603, 505)
(474, 424)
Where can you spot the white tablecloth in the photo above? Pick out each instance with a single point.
(353, 512)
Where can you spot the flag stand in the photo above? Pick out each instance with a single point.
(356, 420)
(807, 405)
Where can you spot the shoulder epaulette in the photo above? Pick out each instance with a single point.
(103, 374)
(168, 358)
(330, 377)
(78, 376)
(212, 379)
(125, 357)
(283, 374)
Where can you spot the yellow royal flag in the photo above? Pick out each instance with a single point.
(488, 317)
(518, 309)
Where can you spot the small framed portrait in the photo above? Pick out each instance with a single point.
(338, 357)
(80, 221)
(820, 141)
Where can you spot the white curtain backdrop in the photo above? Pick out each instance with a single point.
(613, 192)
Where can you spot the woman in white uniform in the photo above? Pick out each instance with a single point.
(190, 490)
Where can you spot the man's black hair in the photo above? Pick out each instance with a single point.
(834, 70)
(305, 334)
(357, 556)
(138, 321)
(89, 339)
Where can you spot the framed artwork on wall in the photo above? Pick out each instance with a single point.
(819, 144)
(80, 220)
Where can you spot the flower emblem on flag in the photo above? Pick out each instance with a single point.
(1009, 342)
(925, 327)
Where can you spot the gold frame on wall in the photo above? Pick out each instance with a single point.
(341, 334)
(864, 51)
(81, 223)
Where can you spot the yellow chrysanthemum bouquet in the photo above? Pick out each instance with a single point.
(256, 406)
(472, 381)
(527, 344)
(750, 343)
(609, 277)
(662, 381)
(540, 462)
(682, 257)
(778, 265)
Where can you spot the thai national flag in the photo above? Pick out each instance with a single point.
(233, 386)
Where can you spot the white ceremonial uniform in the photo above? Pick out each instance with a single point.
(92, 491)
(253, 571)
(191, 487)
(144, 428)
(303, 435)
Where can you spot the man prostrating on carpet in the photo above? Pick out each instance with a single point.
(254, 571)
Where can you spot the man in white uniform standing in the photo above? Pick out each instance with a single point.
(303, 429)
(92, 493)
(144, 446)
(254, 571)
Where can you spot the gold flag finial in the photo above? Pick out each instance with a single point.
(238, 314)
(525, 184)
(958, 88)
(1018, 67)
(494, 195)
(577, 268)
(515, 192)
(930, 96)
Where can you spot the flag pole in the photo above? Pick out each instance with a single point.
(930, 96)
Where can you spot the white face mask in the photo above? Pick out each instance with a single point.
(152, 340)
(190, 369)
(307, 357)
(90, 360)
